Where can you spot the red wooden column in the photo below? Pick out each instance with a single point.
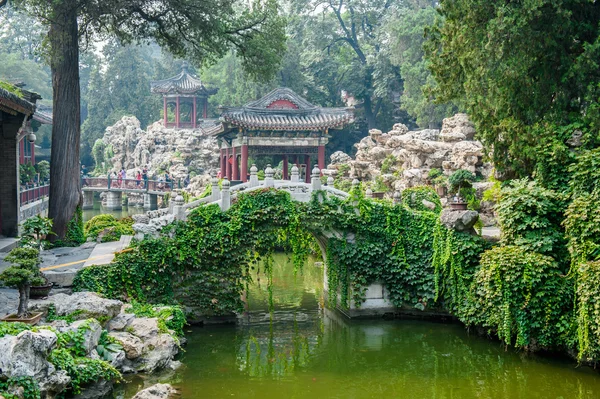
(236, 171)
(228, 162)
(177, 113)
(223, 163)
(321, 158)
(194, 118)
(244, 163)
(166, 111)
(308, 168)
(205, 108)
(32, 153)
(285, 167)
(22, 151)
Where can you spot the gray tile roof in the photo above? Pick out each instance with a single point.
(183, 83)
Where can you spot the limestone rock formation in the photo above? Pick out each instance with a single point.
(25, 355)
(459, 220)
(146, 347)
(178, 151)
(158, 391)
(403, 158)
(81, 305)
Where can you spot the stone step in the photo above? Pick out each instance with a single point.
(104, 253)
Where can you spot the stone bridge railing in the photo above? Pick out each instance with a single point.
(151, 222)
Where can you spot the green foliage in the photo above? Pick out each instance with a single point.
(388, 163)
(169, 317)
(413, 198)
(585, 173)
(26, 173)
(588, 311)
(29, 385)
(460, 179)
(12, 328)
(521, 297)
(75, 235)
(108, 347)
(82, 370)
(100, 163)
(23, 273)
(35, 231)
(110, 228)
(530, 216)
(524, 72)
(406, 30)
(434, 173)
(582, 227)
(43, 168)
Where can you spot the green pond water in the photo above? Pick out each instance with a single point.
(301, 350)
(100, 210)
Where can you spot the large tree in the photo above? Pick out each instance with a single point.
(406, 36)
(199, 30)
(349, 40)
(528, 73)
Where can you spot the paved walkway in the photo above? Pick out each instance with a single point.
(61, 264)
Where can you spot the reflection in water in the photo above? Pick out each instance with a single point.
(100, 210)
(305, 351)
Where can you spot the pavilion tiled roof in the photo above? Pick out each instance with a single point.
(294, 113)
(183, 83)
(13, 104)
(43, 114)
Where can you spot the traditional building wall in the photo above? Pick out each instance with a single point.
(9, 174)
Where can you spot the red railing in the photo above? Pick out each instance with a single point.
(33, 194)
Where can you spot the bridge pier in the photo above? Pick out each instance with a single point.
(113, 200)
(151, 202)
(88, 200)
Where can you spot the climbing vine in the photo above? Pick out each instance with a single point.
(206, 261)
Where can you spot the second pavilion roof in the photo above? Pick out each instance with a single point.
(283, 109)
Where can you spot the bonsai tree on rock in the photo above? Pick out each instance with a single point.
(459, 180)
(23, 274)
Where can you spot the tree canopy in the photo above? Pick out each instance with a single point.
(527, 73)
(200, 31)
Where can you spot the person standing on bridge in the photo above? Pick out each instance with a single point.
(120, 178)
(124, 176)
(138, 179)
(145, 177)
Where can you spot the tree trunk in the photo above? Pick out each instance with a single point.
(369, 116)
(23, 301)
(65, 190)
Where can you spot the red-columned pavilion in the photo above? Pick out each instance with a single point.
(185, 95)
(281, 123)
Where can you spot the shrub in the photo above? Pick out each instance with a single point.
(521, 297)
(413, 198)
(530, 216)
(111, 228)
(23, 274)
(26, 173)
(388, 163)
(460, 179)
(43, 168)
(434, 174)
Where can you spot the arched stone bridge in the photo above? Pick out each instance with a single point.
(114, 188)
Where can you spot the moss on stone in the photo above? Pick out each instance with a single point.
(11, 89)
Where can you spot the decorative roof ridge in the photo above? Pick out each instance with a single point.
(280, 93)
